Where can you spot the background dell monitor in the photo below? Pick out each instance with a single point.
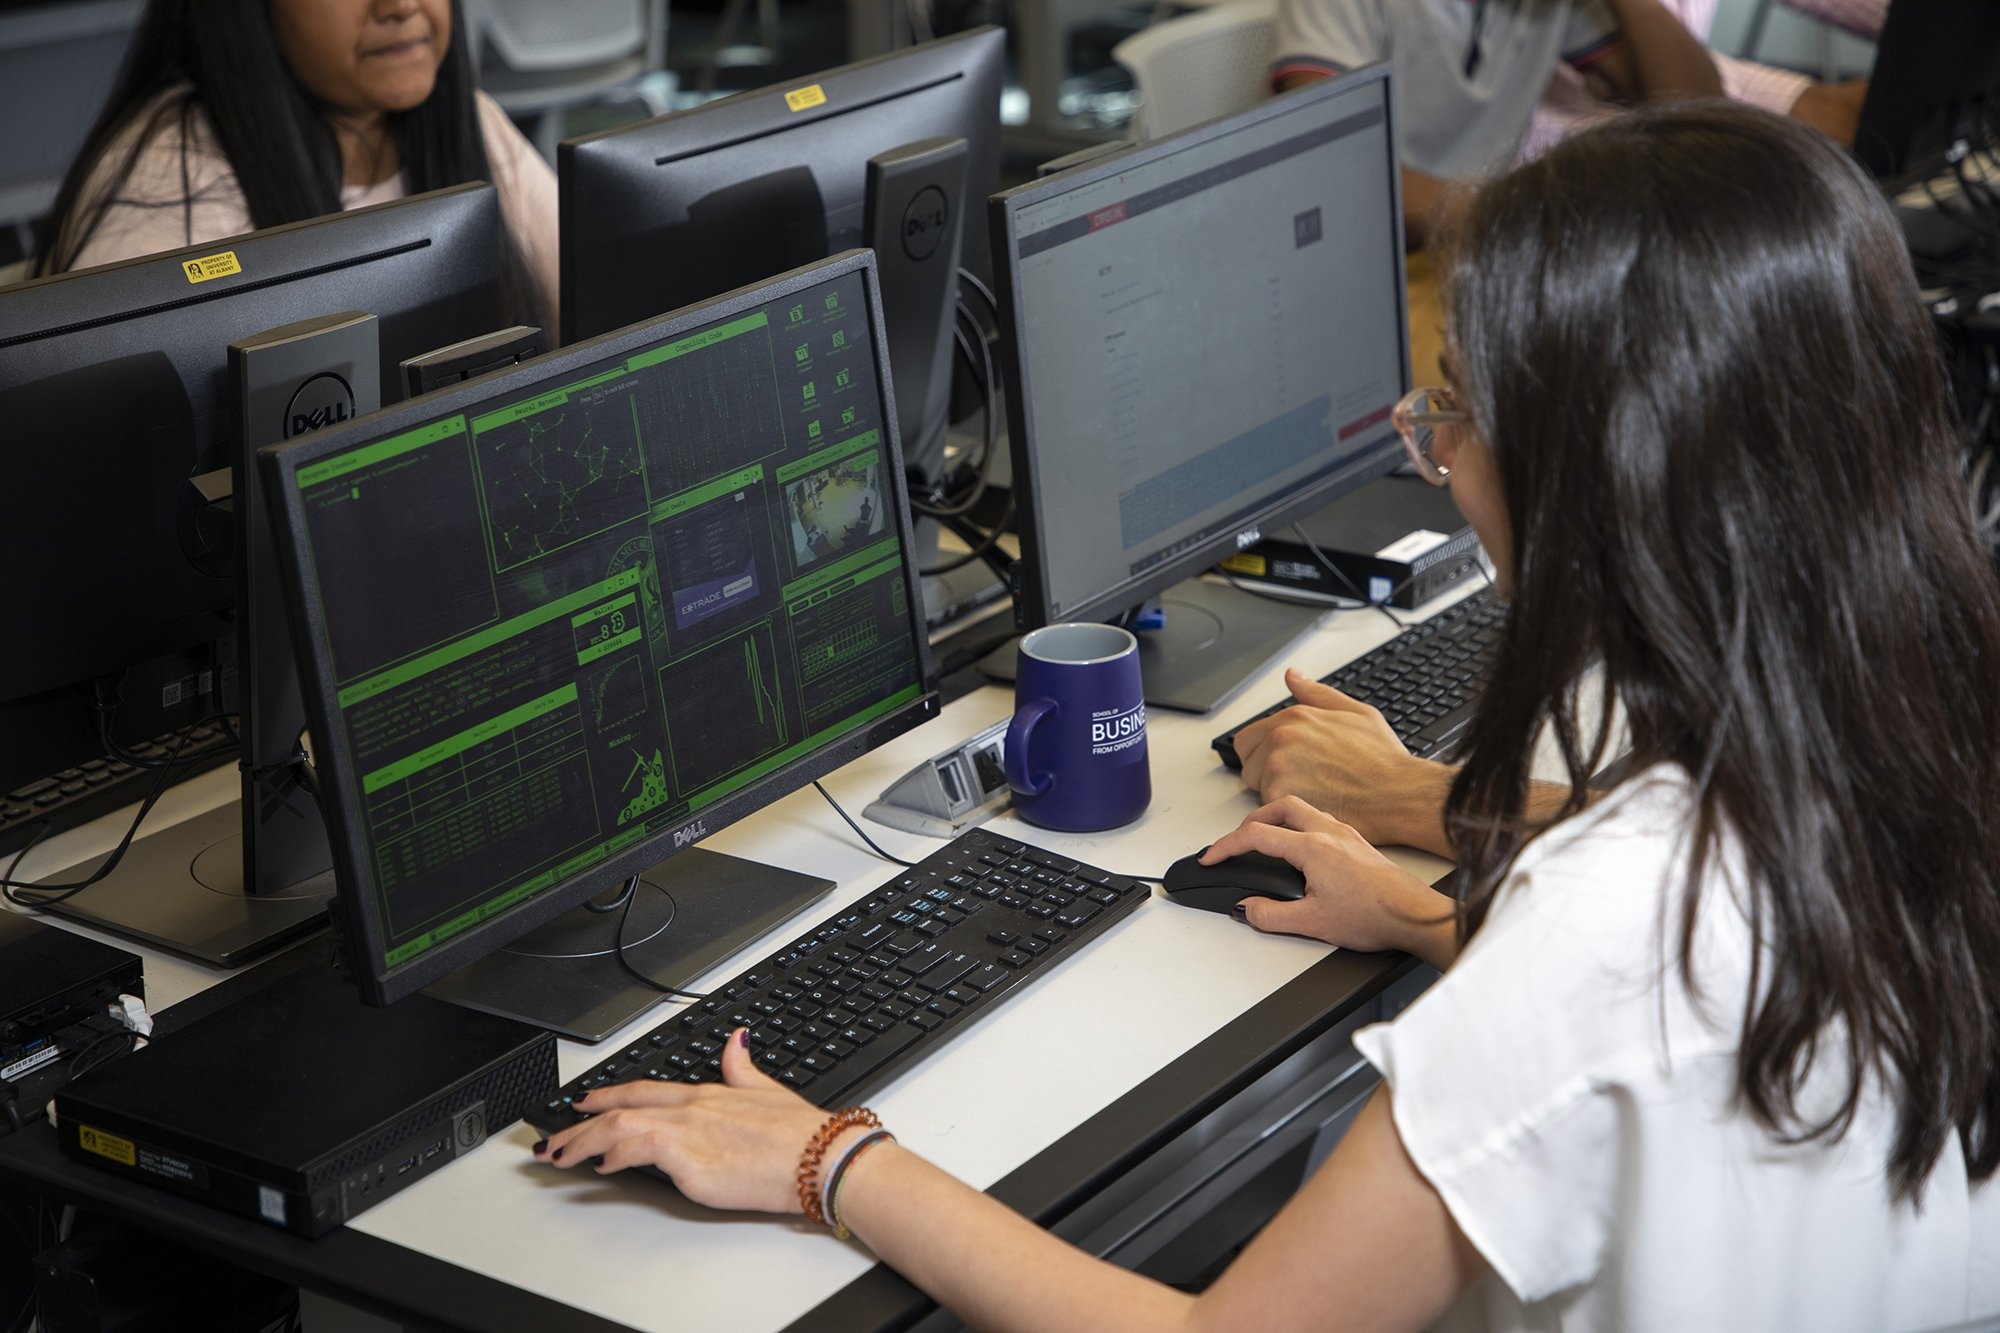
(1205, 338)
(1935, 82)
(115, 384)
(692, 204)
(559, 696)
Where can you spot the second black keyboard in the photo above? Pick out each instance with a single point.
(62, 801)
(1425, 680)
(876, 987)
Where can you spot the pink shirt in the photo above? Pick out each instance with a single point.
(171, 199)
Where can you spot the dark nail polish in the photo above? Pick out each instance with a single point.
(1241, 913)
(541, 1146)
(743, 1038)
(556, 1156)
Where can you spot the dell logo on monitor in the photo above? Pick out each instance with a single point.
(1248, 538)
(924, 222)
(691, 834)
(322, 401)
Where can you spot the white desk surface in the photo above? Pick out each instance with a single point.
(1060, 1050)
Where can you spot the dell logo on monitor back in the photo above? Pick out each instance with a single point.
(324, 400)
(924, 222)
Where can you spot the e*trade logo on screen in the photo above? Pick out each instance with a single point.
(322, 401)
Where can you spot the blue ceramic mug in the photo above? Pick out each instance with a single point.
(1076, 749)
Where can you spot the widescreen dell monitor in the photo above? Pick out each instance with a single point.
(116, 389)
(1206, 337)
(691, 204)
(574, 617)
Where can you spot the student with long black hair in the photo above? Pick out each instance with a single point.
(1720, 1049)
(231, 115)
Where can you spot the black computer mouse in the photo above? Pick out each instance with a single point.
(1219, 887)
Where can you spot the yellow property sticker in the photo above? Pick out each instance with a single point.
(211, 266)
(106, 1145)
(806, 98)
(1243, 562)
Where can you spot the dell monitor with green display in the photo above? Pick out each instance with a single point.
(1207, 336)
(568, 619)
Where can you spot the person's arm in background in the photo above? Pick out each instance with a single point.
(1316, 39)
(1658, 60)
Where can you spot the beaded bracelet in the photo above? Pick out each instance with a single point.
(808, 1175)
(837, 1176)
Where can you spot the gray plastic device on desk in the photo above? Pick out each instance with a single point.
(950, 792)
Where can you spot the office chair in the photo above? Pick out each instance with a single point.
(539, 58)
(1862, 18)
(1200, 66)
(57, 63)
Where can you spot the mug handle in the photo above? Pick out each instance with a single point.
(1014, 758)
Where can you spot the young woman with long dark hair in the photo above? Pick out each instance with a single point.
(231, 115)
(1720, 1049)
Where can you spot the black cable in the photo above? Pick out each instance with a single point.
(623, 900)
(985, 294)
(32, 896)
(886, 856)
(1143, 879)
(1299, 531)
(984, 546)
(82, 1062)
(981, 549)
(630, 896)
(106, 710)
(946, 506)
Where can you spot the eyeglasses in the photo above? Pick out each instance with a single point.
(1415, 419)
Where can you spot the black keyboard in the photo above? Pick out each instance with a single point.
(867, 993)
(98, 786)
(1425, 680)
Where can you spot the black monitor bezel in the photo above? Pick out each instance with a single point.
(1904, 83)
(763, 114)
(363, 939)
(1032, 591)
(276, 261)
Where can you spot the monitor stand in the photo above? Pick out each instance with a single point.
(1215, 638)
(694, 909)
(181, 889)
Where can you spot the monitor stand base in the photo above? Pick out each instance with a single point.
(694, 910)
(1216, 637)
(181, 889)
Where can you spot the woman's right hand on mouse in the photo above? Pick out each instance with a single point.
(1355, 896)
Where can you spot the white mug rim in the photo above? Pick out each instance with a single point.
(1128, 643)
